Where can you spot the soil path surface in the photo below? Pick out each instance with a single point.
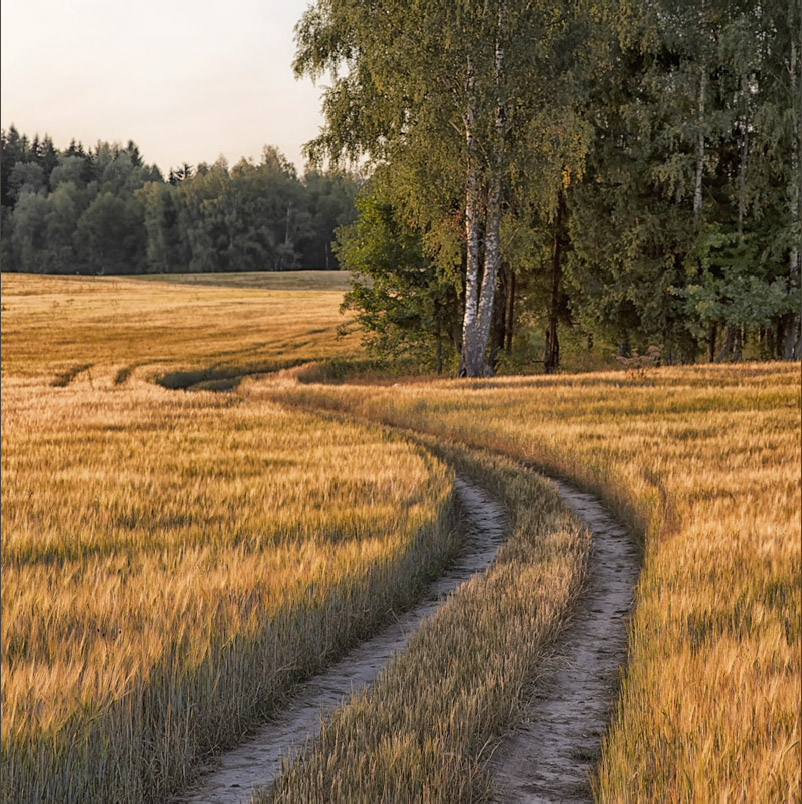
(258, 760)
(551, 755)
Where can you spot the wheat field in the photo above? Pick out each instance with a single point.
(174, 561)
(703, 464)
(106, 330)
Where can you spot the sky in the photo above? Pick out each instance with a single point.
(186, 81)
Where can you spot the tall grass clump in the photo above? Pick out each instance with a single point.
(703, 464)
(425, 729)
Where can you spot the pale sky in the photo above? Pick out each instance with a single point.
(186, 81)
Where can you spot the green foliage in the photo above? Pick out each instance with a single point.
(106, 211)
(406, 306)
(109, 236)
(330, 203)
(686, 228)
(471, 109)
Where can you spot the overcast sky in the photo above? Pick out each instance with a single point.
(187, 81)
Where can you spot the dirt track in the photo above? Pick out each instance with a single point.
(258, 760)
(550, 756)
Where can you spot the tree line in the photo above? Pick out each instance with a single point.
(628, 170)
(104, 210)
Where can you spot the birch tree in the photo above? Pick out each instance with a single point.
(440, 88)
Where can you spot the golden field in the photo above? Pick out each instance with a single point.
(426, 729)
(172, 563)
(105, 329)
(160, 545)
(703, 462)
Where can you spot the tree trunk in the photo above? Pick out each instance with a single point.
(732, 349)
(551, 359)
(711, 342)
(510, 314)
(777, 340)
(476, 332)
(468, 358)
(499, 329)
(742, 173)
(470, 341)
(474, 363)
(791, 337)
(700, 147)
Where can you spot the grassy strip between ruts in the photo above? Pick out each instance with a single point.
(424, 731)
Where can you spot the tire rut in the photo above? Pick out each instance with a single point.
(257, 761)
(553, 752)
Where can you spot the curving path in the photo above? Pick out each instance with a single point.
(550, 756)
(552, 753)
(257, 761)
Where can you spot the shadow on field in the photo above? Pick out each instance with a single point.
(226, 377)
(63, 379)
(221, 377)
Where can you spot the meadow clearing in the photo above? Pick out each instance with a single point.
(160, 545)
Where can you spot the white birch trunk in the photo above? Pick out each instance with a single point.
(742, 173)
(471, 230)
(477, 333)
(491, 266)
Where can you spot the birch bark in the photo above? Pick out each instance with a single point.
(700, 146)
(469, 346)
(742, 171)
(479, 312)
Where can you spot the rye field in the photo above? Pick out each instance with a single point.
(174, 561)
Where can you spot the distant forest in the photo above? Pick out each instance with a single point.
(103, 210)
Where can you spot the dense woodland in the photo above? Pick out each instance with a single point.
(626, 172)
(103, 210)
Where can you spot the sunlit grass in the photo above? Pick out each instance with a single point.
(703, 462)
(172, 563)
(115, 329)
(427, 727)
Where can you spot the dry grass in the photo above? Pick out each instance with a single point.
(112, 329)
(172, 563)
(424, 730)
(703, 462)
